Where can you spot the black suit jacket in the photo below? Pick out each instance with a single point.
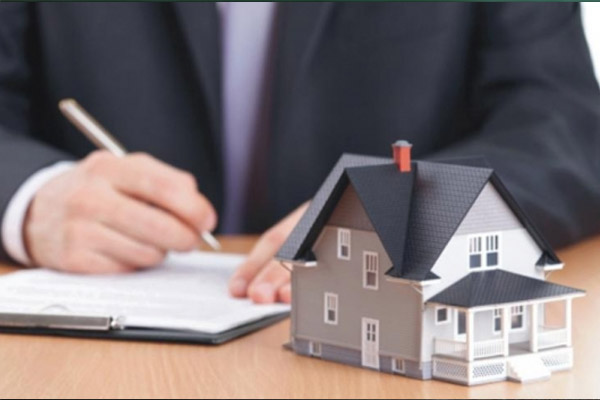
(512, 82)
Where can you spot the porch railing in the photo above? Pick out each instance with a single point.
(450, 348)
(488, 348)
(552, 337)
(481, 349)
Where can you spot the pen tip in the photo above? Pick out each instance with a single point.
(211, 241)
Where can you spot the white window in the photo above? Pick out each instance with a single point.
(331, 308)
(370, 270)
(497, 320)
(517, 317)
(398, 366)
(492, 250)
(475, 252)
(442, 315)
(343, 248)
(484, 251)
(314, 349)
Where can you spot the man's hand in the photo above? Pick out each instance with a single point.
(261, 278)
(112, 214)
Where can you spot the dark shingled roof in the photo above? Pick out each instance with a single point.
(498, 287)
(414, 214)
(442, 196)
(308, 228)
(385, 195)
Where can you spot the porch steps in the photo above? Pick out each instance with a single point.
(527, 368)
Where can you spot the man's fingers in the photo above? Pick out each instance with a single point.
(88, 262)
(123, 248)
(264, 288)
(149, 225)
(148, 179)
(263, 252)
(284, 294)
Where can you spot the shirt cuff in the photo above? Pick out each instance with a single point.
(14, 215)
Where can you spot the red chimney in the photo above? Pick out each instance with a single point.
(402, 155)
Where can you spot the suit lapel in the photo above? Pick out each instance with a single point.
(199, 24)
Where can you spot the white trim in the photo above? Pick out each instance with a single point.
(343, 239)
(374, 267)
(448, 315)
(402, 281)
(395, 369)
(328, 306)
(550, 267)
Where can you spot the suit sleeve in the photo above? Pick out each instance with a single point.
(21, 154)
(535, 114)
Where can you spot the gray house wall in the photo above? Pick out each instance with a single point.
(350, 213)
(397, 306)
(407, 328)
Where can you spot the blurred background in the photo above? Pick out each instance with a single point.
(591, 21)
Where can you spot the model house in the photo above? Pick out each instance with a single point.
(425, 269)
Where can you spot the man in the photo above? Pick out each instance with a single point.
(248, 109)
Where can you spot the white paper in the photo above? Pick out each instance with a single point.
(187, 292)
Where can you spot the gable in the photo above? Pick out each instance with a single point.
(308, 228)
(349, 212)
(443, 194)
(489, 213)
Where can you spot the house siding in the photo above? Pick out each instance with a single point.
(396, 306)
(489, 213)
(349, 212)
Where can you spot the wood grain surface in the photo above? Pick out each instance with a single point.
(258, 366)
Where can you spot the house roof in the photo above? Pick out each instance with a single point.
(386, 196)
(414, 214)
(498, 287)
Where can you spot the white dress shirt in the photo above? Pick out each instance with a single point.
(246, 29)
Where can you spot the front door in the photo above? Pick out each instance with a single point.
(370, 343)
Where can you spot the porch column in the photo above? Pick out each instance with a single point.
(506, 330)
(470, 336)
(533, 329)
(568, 320)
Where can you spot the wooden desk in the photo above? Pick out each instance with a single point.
(257, 365)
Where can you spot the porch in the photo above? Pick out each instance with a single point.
(497, 333)
(541, 335)
(547, 347)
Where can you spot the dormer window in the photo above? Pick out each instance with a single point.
(343, 247)
(484, 251)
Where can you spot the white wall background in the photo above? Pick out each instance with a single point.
(591, 22)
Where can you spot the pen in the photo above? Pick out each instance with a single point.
(92, 129)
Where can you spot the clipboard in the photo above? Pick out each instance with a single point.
(95, 327)
(185, 300)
